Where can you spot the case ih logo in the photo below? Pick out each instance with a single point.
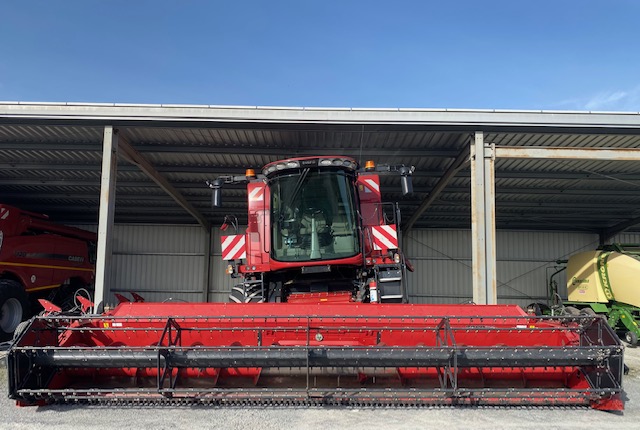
(385, 237)
(233, 247)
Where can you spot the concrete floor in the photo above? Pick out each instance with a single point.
(81, 417)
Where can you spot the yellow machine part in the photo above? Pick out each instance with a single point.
(603, 276)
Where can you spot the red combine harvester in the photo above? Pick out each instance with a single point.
(40, 259)
(317, 231)
(317, 318)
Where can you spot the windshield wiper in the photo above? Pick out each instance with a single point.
(297, 188)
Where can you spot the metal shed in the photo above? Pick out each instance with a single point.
(572, 176)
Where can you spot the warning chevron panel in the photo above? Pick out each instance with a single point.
(233, 247)
(385, 237)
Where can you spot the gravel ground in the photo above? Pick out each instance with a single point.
(80, 417)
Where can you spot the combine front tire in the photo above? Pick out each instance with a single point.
(14, 307)
(241, 295)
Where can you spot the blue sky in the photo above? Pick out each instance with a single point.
(543, 54)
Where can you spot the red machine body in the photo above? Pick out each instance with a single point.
(317, 225)
(39, 258)
(344, 354)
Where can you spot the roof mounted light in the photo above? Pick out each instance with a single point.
(369, 165)
(270, 169)
(309, 162)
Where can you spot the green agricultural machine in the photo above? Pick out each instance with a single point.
(602, 282)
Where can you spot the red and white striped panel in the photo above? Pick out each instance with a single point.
(371, 184)
(256, 192)
(385, 237)
(233, 247)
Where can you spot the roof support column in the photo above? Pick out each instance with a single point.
(208, 252)
(106, 215)
(483, 221)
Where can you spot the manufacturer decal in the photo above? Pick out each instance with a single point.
(576, 281)
(603, 274)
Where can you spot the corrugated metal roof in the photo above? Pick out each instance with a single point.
(50, 159)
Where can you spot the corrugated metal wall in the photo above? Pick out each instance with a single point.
(167, 262)
(159, 262)
(442, 261)
(525, 262)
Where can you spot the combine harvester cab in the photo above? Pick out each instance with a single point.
(304, 354)
(318, 317)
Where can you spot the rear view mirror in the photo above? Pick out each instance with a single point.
(405, 180)
(216, 197)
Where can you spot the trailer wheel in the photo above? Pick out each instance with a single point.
(20, 329)
(14, 307)
(570, 310)
(538, 309)
(631, 338)
(240, 295)
(588, 312)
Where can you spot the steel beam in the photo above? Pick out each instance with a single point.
(460, 162)
(229, 147)
(557, 153)
(597, 154)
(204, 193)
(286, 152)
(48, 146)
(105, 218)
(207, 170)
(155, 202)
(231, 171)
(136, 158)
(608, 233)
(483, 222)
(449, 119)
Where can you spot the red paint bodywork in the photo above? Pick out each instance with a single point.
(42, 254)
(180, 328)
(258, 232)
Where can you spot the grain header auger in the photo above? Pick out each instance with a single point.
(317, 318)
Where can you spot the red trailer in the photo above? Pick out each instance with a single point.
(39, 258)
